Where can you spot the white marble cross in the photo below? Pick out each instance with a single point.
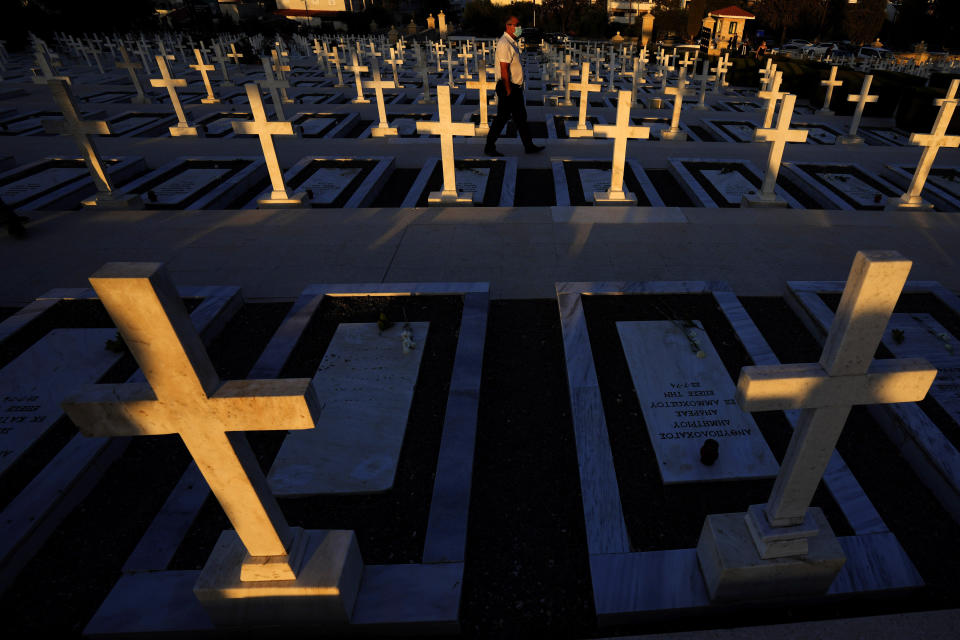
(704, 78)
(273, 85)
(204, 68)
(723, 65)
(221, 59)
(768, 79)
(483, 87)
(81, 130)
(620, 133)
(170, 83)
(846, 375)
(335, 61)
(765, 72)
(281, 69)
(466, 56)
(234, 55)
(425, 75)
(678, 94)
(184, 395)
(131, 67)
(265, 129)
(357, 69)
(862, 99)
(611, 85)
(395, 61)
(772, 95)
(446, 128)
(450, 63)
(383, 128)
(932, 143)
(829, 83)
(778, 137)
(46, 74)
(565, 74)
(584, 87)
(318, 51)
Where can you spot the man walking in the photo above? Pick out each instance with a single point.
(510, 104)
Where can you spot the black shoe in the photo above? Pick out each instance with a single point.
(534, 148)
(492, 152)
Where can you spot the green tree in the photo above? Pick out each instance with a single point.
(862, 21)
(696, 10)
(780, 14)
(669, 19)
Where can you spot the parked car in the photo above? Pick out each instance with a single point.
(791, 49)
(876, 53)
(532, 38)
(824, 48)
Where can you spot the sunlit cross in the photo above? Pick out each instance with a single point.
(168, 82)
(778, 139)
(204, 70)
(620, 133)
(584, 87)
(446, 128)
(862, 99)
(357, 69)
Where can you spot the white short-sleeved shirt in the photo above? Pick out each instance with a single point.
(508, 51)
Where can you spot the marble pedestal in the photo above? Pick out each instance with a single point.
(734, 571)
(676, 136)
(178, 131)
(622, 199)
(294, 201)
(329, 569)
(109, 201)
(442, 199)
(849, 140)
(210, 101)
(382, 132)
(899, 204)
(759, 201)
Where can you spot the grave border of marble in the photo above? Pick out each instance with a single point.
(123, 171)
(365, 193)
(38, 114)
(390, 595)
(350, 119)
(683, 126)
(923, 444)
(563, 188)
(901, 175)
(618, 575)
(149, 130)
(803, 179)
(218, 197)
(507, 190)
(574, 117)
(699, 195)
(29, 518)
(712, 127)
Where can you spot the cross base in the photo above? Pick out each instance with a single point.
(483, 129)
(178, 131)
(586, 132)
(614, 198)
(824, 112)
(107, 200)
(381, 131)
(779, 542)
(324, 591)
(676, 136)
(905, 204)
(210, 101)
(360, 101)
(426, 100)
(700, 107)
(734, 571)
(447, 199)
(141, 99)
(759, 201)
(849, 140)
(282, 202)
(655, 103)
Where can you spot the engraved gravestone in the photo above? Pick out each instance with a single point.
(366, 383)
(687, 397)
(919, 335)
(473, 181)
(732, 185)
(33, 185)
(32, 385)
(327, 183)
(184, 184)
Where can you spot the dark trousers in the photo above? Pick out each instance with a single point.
(511, 106)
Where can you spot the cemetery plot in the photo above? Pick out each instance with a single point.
(220, 125)
(885, 135)
(538, 128)
(324, 125)
(404, 123)
(925, 323)
(47, 349)
(844, 186)
(104, 97)
(30, 123)
(618, 337)
(413, 537)
(723, 183)
(732, 130)
(322, 98)
(942, 187)
(140, 124)
(744, 106)
(400, 98)
(559, 125)
(197, 183)
(491, 183)
(659, 125)
(577, 180)
(332, 182)
(60, 183)
(818, 133)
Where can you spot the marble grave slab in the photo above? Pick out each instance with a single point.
(59, 182)
(923, 337)
(845, 186)
(687, 399)
(365, 383)
(722, 182)
(197, 183)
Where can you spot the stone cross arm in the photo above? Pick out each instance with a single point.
(809, 386)
(238, 405)
(88, 127)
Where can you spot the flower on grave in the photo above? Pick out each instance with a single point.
(406, 338)
(898, 336)
(383, 323)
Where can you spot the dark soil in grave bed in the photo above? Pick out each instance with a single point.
(526, 568)
(579, 196)
(535, 188)
(6, 312)
(931, 305)
(396, 188)
(662, 517)
(79, 564)
(669, 189)
(358, 127)
(390, 526)
(703, 133)
(927, 532)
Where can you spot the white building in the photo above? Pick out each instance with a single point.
(628, 11)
